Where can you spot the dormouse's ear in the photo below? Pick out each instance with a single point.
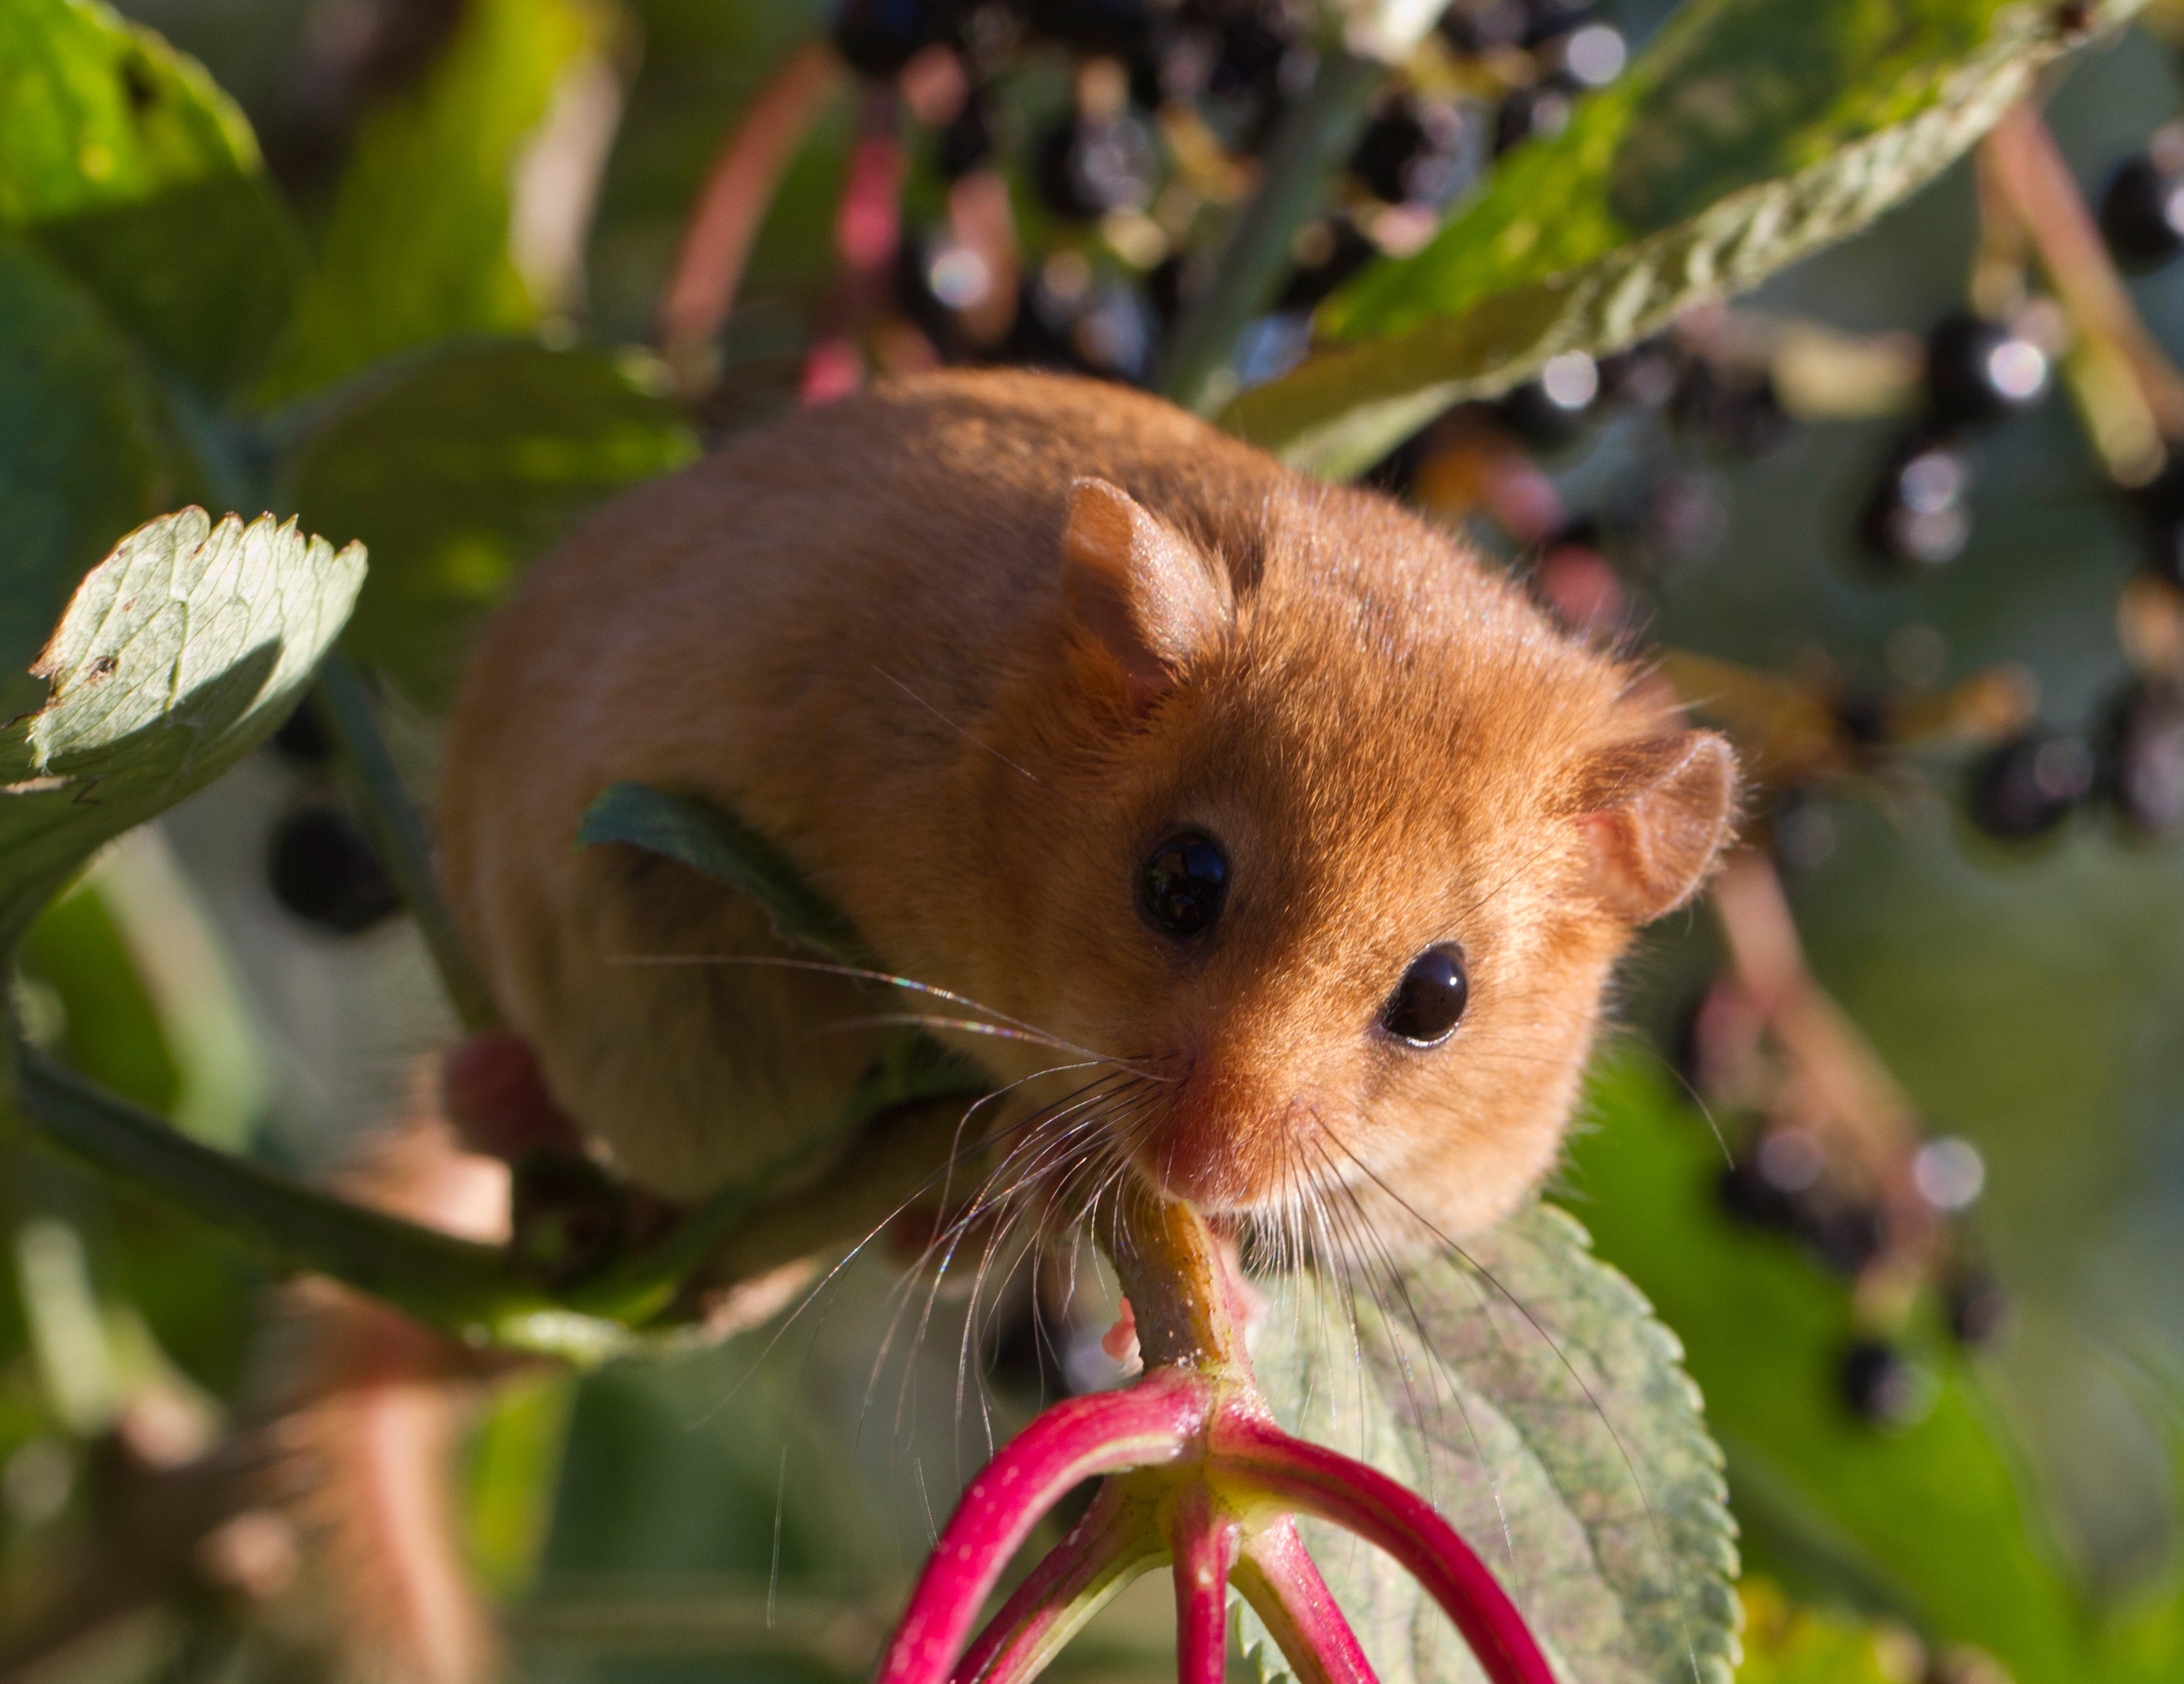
(1656, 813)
(1142, 590)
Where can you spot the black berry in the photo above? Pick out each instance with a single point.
(879, 37)
(1085, 167)
(1329, 253)
(2142, 213)
(966, 142)
(1550, 409)
(321, 868)
(302, 739)
(1731, 410)
(1882, 1386)
(1916, 516)
(1536, 113)
(2143, 769)
(1979, 370)
(1976, 1307)
(2029, 785)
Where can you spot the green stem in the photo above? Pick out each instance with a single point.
(456, 1284)
(1314, 137)
(398, 832)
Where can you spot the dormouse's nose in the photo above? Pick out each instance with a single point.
(1226, 1139)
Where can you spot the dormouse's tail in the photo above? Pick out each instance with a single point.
(359, 1413)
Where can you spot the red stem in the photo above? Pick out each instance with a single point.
(733, 203)
(1278, 1578)
(1204, 1540)
(1147, 1425)
(1367, 1501)
(1105, 1550)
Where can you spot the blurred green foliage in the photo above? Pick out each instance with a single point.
(378, 360)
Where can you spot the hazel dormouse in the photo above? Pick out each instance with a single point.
(1296, 843)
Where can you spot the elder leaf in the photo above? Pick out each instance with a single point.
(178, 654)
(1750, 134)
(1526, 1388)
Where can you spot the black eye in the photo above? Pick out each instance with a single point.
(1430, 999)
(1181, 886)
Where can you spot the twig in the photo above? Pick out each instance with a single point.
(2029, 173)
(731, 205)
(1314, 137)
(399, 834)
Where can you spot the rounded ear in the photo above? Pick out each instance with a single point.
(1140, 589)
(1657, 814)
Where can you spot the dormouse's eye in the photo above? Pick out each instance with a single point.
(1181, 886)
(1430, 999)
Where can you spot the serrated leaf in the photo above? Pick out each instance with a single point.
(177, 654)
(1752, 133)
(417, 248)
(124, 164)
(1528, 1390)
(721, 846)
(459, 472)
(80, 455)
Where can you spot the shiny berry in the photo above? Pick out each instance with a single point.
(2142, 213)
(1414, 151)
(2143, 774)
(1428, 1001)
(321, 868)
(1916, 516)
(1550, 410)
(1085, 167)
(1183, 885)
(1975, 1308)
(1537, 112)
(1882, 1386)
(1979, 370)
(2029, 785)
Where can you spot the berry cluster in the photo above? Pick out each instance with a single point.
(1122, 184)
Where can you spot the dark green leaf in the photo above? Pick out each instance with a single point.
(1525, 1387)
(418, 247)
(459, 472)
(1929, 1517)
(81, 457)
(178, 654)
(1752, 133)
(723, 847)
(124, 163)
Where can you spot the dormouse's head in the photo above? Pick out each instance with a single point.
(1332, 835)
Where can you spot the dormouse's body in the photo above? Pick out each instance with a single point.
(1085, 711)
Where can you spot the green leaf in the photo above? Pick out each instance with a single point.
(459, 472)
(1749, 135)
(177, 654)
(418, 247)
(128, 167)
(721, 846)
(1526, 1387)
(80, 455)
(1929, 1520)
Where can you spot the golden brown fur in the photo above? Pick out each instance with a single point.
(852, 628)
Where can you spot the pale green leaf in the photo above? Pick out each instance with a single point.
(1751, 134)
(122, 160)
(418, 247)
(1526, 1388)
(177, 654)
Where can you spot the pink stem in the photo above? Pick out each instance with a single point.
(1367, 1501)
(733, 203)
(1278, 1578)
(868, 228)
(1150, 1423)
(1204, 1540)
(1106, 1549)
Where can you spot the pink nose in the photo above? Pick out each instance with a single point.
(1220, 1145)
